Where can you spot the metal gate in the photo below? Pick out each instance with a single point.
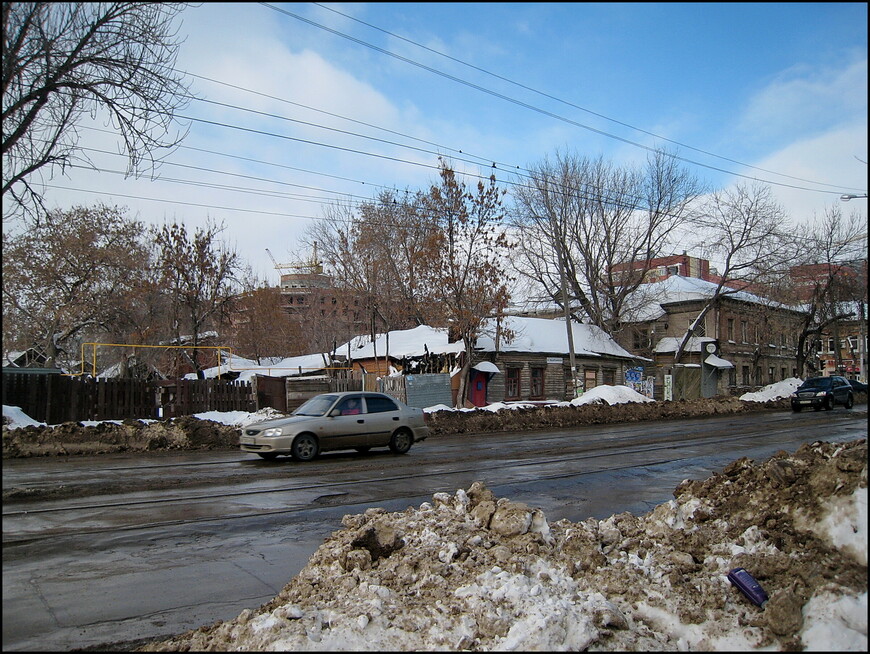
(687, 383)
(271, 392)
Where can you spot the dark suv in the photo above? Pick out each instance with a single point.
(823, 393)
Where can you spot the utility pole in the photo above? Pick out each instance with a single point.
(568, 325)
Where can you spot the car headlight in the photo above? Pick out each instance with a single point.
(272, 431)
(821, 394)
(794, 395)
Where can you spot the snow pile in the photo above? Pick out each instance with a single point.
(470, 571)
(14, 417)
(610, 395)
(240, 418)
(775, 391)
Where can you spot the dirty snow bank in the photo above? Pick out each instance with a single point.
(470, 571)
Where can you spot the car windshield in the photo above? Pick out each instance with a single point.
(823, 383)
(316, 406)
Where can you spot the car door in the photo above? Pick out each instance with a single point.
(841, 390)
(384, 417)
(345, 426)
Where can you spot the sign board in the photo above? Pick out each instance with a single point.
(556, 360)
(669, 387)
(633, 375)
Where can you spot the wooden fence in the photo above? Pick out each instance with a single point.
(54, 399)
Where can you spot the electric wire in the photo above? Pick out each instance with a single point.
(534, 108)
(565, 102)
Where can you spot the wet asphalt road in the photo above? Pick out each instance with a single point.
(101, 552)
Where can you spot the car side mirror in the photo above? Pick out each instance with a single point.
(334, 412)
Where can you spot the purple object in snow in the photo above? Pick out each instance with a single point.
(748, 586)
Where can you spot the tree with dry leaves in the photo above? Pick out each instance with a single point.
(259, 326)
(199, 275)
(380, 253)
(71, 276)
(472, 256)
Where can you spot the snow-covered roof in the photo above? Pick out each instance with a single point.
(676, 288)
(551, 336)
(671, 343)
(248, 368)
(530, 335)
(401, 343)
(189, 337)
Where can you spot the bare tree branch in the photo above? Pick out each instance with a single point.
(64, 61)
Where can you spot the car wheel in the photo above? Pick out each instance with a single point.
(305, 447)
(829, 403)
(267, 455)
(401, 441)
(850, 401)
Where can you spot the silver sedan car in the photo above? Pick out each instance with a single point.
(338, 421)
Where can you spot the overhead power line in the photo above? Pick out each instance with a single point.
(550, 114)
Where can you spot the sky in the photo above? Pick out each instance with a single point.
(357, 98)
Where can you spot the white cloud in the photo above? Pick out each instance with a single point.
(833, 152)
(802, 100)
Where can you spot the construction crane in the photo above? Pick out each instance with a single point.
(278, 266)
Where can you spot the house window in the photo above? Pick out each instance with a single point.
(641, 339)
(537, 383)
(744, 331)
(608, 377)
(731, 329)
(512, 384)
(744, 375)
(771, 375)
(589, 379)
(782, 373)
(732, 377)
(700, 328)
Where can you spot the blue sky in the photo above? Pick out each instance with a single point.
(774, 91)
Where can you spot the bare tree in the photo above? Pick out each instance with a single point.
(71, 275)
(403, 239)
(382, 253)
(590, 230)
(826, 277)
(64, 61)
(472, 258)
(742, 228)
(198, 274)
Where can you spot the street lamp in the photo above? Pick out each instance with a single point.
(849, 196)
